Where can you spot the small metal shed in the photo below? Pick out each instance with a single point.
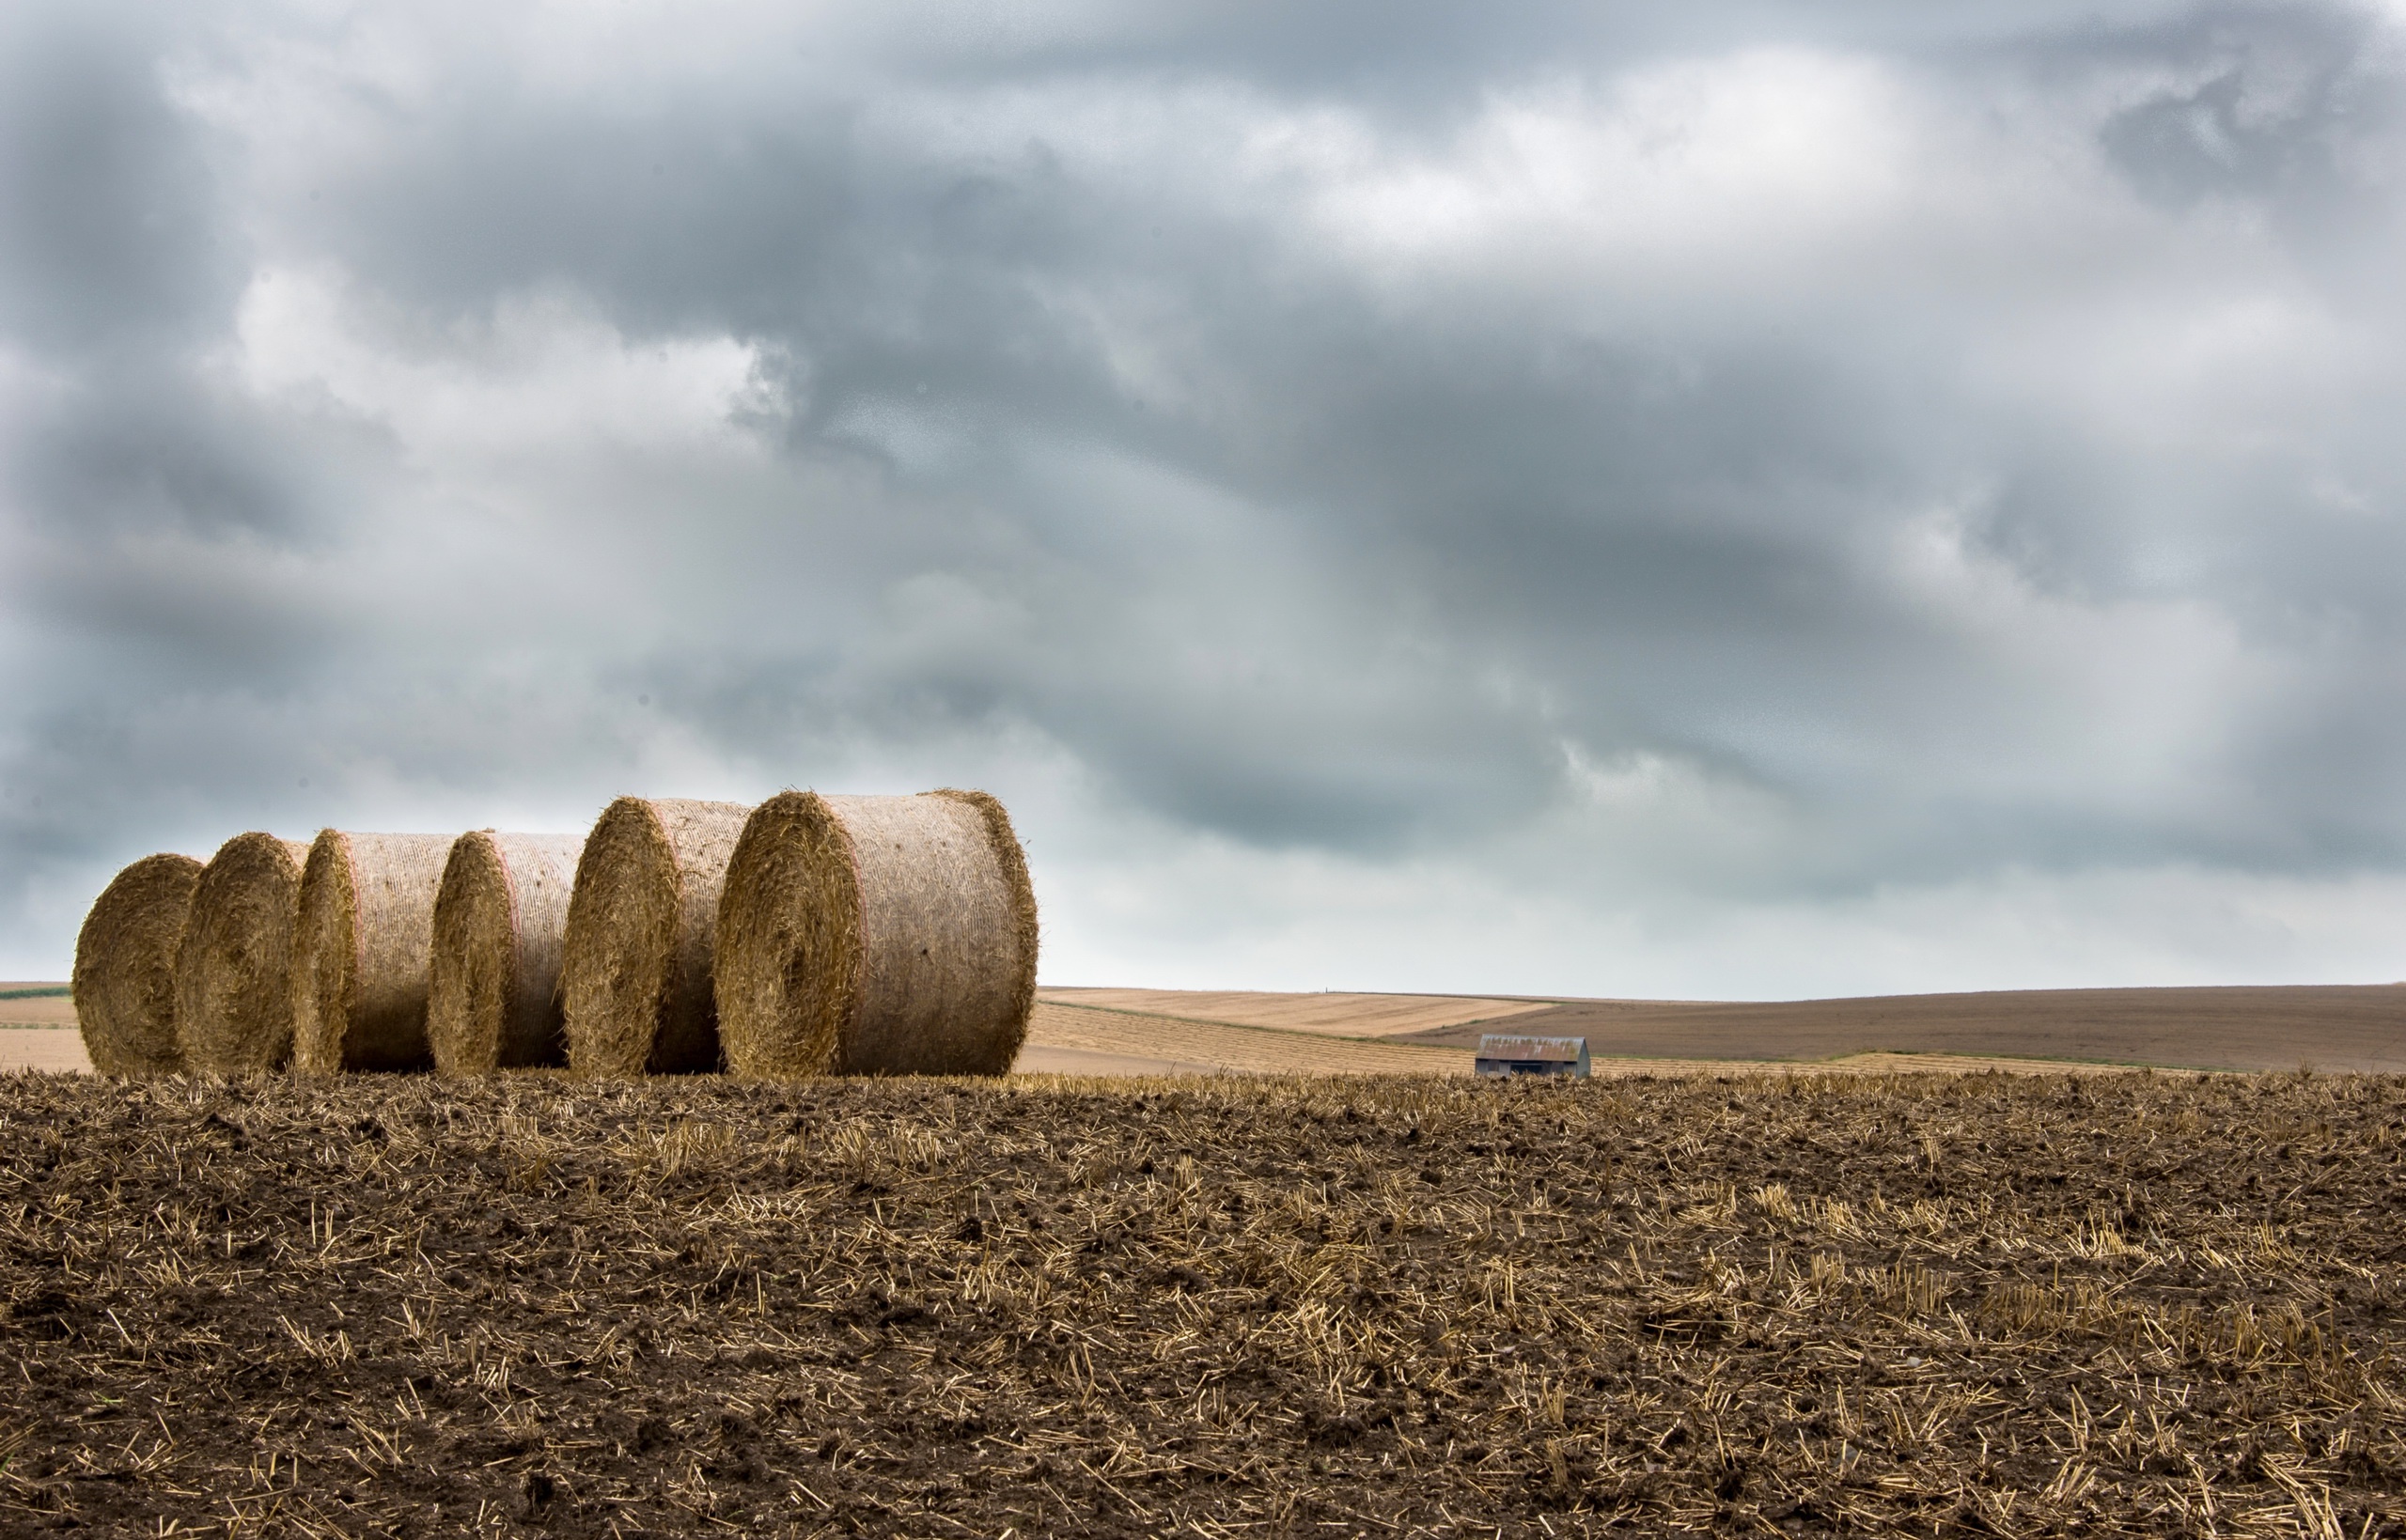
(1501, 1055)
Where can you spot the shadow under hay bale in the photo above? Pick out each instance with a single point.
(877, 935)
(125, 967)
(234, 964)
(635, 975)
(493, 992)
(360, 948)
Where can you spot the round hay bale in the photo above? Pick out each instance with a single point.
(125, 967)
(635, 966)
(877, 935)
(492, 998)
(234, 965)
(360, 945)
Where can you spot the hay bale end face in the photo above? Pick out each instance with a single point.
(362, 940)
(233, 967)
(877, 935)
(492, 989)
(125, 967)
(635, 967)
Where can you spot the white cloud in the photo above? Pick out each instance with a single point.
(541, 377)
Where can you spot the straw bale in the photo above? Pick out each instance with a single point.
(125, 967)
(492, 995)
(635, 968)
(361, 944)
(234, 964)
(877, 935)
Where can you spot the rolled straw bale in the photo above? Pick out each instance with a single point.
(125, 967)
(493, 994)
(361, 941)
(641, 922)
(234, 965)
(877, 935)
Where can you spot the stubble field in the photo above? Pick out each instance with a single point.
(1885, 1304)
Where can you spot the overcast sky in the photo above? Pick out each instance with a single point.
(1722, 500)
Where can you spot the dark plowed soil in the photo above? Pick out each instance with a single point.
(1973, 1305)
(2341, 1027)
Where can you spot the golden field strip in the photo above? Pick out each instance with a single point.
(1333, 1014)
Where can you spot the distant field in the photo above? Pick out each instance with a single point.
(1085, 1041)
(1118, 1047)
(2340, 1027)
(1334, 1014)
(1061, 1041)
(2358, 1027)
(21, 1006)
(1168, 1031)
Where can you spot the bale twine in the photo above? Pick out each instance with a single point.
(234, 965)
(360, 946)
(877, 935)
(125, 967)
(492, 997)
(635, 965)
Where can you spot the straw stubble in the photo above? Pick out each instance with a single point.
(635, 969)
(361, 945)
(877, 935)
(492, 995)
(233, 966)
(125, 967)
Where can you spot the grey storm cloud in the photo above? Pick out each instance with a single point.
(1726, 458)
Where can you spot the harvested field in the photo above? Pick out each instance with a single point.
(1338, 1015)
(2346, 1027)
(1770, 1304)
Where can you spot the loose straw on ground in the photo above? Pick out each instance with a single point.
(125, 967)
(493, 994)
(360, 950)
(233, 967)
(635, 977)
(877, 935)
